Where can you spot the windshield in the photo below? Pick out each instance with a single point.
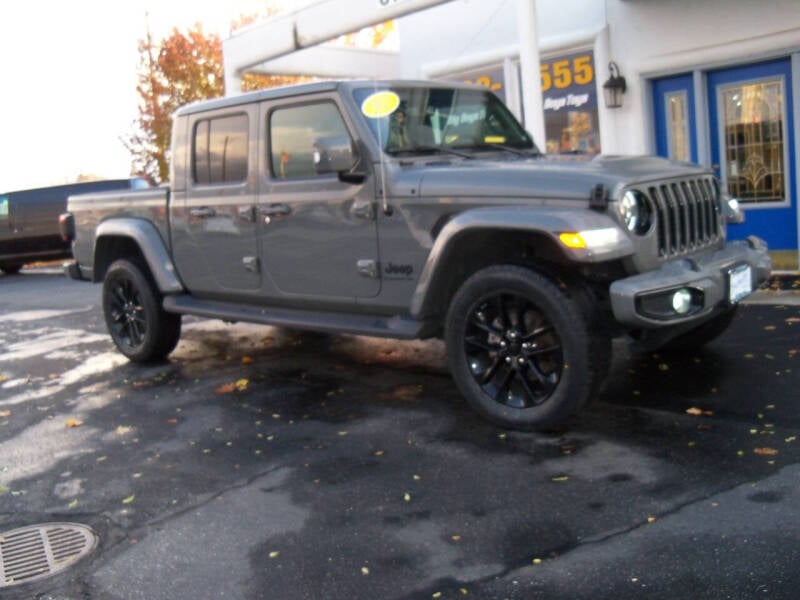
(440, 119)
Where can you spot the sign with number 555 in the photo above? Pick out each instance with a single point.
(562, 73)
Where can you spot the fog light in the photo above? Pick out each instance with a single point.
(682, 301)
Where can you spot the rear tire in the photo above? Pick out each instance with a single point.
(10, 268)
(520, 349)
(141, 329)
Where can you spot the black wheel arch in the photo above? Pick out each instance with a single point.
(475, 249)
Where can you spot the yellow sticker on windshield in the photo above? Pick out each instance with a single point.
(380, 104)
(494, 139)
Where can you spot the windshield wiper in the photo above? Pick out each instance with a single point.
(532, 151)
(426, 148)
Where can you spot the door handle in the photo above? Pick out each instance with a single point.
(204, 212)
(276, 210)
(247, 213)
(363, 210)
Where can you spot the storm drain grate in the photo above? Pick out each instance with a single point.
(38, 551)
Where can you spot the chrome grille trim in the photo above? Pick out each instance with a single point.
(687, 215)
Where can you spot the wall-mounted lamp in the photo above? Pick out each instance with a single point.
(615, 87)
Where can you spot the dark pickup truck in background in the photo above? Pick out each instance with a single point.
(29, 220)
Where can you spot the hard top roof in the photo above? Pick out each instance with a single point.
(309, 88)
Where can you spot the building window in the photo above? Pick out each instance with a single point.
(569, 94)
(753, 137)
(219, 150)
(491, 77)
(677, 112)
(293, 132)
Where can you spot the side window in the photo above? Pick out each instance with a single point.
(292, 134)
(3, 208)
(219, 150)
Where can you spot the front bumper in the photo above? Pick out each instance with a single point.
(707, 276)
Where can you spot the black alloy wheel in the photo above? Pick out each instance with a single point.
(127, 314)
(139, 326)
(520, 348)
(513, 350)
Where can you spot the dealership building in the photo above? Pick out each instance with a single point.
(715, 82)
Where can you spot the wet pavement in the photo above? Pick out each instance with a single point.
(261, 463)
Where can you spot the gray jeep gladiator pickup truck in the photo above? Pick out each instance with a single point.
(413, 210)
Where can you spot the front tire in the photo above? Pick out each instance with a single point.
(139, 326)
(520, 348)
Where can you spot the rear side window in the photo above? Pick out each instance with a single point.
(219, 150)
(292, 133)
(3, 208)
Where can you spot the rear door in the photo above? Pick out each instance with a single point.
(214, 224)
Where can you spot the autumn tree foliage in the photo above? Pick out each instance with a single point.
(185, 67)
(181, 68)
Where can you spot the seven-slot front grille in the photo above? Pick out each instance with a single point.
(687, 215)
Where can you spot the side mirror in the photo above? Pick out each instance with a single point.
(333, 155)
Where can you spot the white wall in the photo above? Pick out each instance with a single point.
(644, 37)
(650, 38)
(456, 31)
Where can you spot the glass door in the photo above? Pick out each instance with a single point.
(752, 149)
(673, 109)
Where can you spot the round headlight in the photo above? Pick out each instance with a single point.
(635, 212)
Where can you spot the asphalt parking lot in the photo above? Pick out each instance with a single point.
(261, 463)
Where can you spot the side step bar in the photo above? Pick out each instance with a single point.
(389, 327)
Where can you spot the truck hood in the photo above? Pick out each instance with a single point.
(550, 177)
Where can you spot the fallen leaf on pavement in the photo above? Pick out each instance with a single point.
(123, 430)
(239, 385)
(765, 451)
(699, 412)
(4, 414)
(404, 393)
(74, 422)
(246, 360)
(129, 499)
(559, 479)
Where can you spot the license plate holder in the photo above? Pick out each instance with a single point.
(740, 283)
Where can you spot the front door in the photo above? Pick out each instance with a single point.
(318, 233)
(753, 149)
(673, 108)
